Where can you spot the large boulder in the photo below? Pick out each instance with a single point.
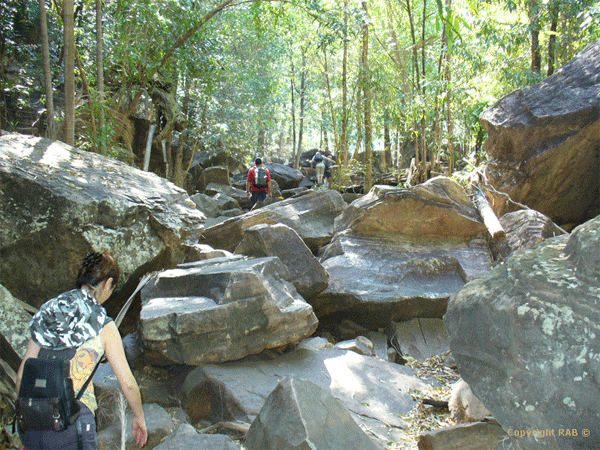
(300, 414)
(527, 341)
(400, 253)
(377, 393)
(310, 214)
(524, 229)
(543, 142)
(438, 208)
(14, 322)
(307, 274)
(222, 309)
(286, 176)
(58, 203)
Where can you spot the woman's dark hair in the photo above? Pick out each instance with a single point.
(96, 268)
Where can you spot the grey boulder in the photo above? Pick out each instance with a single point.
(299, 414)
(222, 309)
(527, 340)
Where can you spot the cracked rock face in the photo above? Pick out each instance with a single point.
(544, 140)
(222, 309)
(527, 340)
(58, 203)
(400, 253)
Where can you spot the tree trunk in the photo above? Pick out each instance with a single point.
(416, 79)
(368, 94)
(47, 72)
(359, 122)
(423, 133)
(293, 113)
(536, 57)
(449, 95)
(86, 88)
(387, 141)
(261, 142)
(554, 11)
(343, 150)
(100, 77)
(69, 42)
(302, 108)
(336, 138)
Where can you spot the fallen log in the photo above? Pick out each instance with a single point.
(488, 215)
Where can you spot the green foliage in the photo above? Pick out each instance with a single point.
(341, 176)
(237, 72)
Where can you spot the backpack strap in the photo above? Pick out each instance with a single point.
(87, 382)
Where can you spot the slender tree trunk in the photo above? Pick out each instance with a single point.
(423, 40)
(336, 142)
(554, 11)
(387, 141)
(303, 75)
(448, 64)
(179, 172)
(293, 112)
(47, 72)
(69, 41)
(368, 93)
(261, 142)
(423, 65)
(417, 80)
(86, 88)
(416, 74)
(344, 131)
(100, 76)
(536, 57)
(359, 122)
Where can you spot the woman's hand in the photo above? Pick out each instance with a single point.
(139, 431)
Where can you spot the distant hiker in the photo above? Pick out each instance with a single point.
(319, 163)
(258, 185)
(323, 167)
(327, 175)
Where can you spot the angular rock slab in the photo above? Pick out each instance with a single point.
(375, 279)
(473, 436)
(301, 414)
(531, 333)
(543, 141)
(419, 338)
(59, 202)
(307, 274)
(310, 214)
(376, 392)
(524, 229)
(286, 176)
(438, 207)
(187, 438)
(222, 309)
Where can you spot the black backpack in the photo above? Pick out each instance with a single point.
(46, 399)
(260, 177)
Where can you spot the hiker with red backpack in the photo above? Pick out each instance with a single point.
(258, 185)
